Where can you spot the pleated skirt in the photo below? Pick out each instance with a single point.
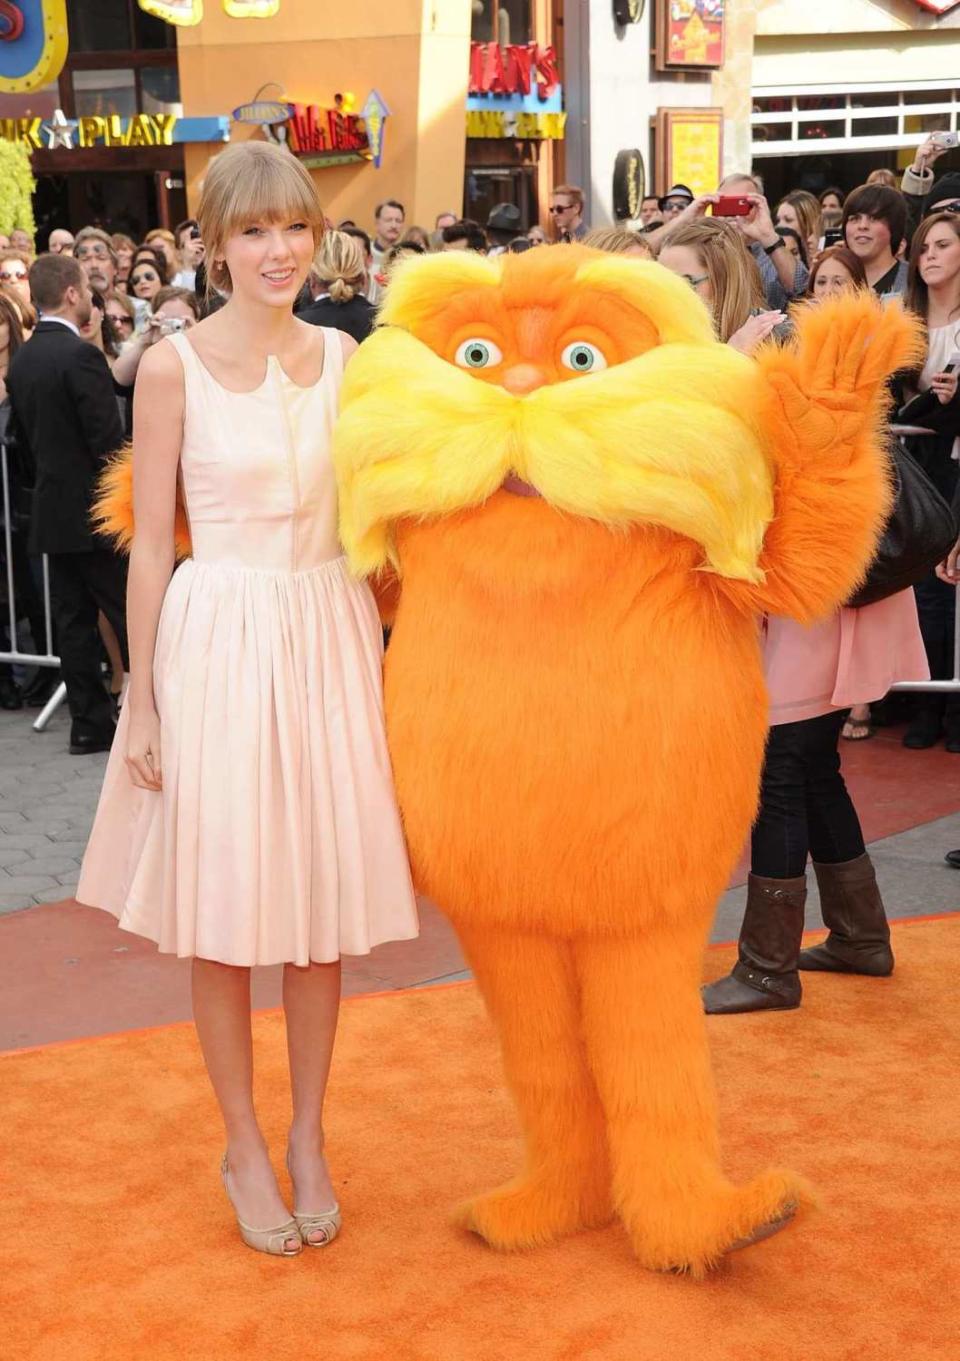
(276, 836)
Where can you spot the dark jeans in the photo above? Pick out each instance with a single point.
(804, 804)
(81, 584)
(936, 606)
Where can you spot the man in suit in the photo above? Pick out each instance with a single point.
(67, 422)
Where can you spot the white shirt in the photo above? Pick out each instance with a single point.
(70, 325)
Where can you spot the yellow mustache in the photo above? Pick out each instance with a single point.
(664, 439)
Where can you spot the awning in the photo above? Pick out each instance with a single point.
(938, 6)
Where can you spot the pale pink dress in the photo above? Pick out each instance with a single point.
(852, 657)
(276, 836)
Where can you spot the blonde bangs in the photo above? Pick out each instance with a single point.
(254, 182)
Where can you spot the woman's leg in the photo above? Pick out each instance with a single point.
(765, 976)
(850, 901)
(833, 828)
(311, 1001)
(221, 1010)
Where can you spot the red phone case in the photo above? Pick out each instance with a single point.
(731, 205)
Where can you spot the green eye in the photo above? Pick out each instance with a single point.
(582, 357)
(478, 354)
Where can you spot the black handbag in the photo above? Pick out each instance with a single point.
(920, 532)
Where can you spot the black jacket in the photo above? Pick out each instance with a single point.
(66, 423)
(934, 451)
(355, 317)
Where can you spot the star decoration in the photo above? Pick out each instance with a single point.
(60, 130)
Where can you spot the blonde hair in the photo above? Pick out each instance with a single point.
(616, 241)
(247, 183)
(729, 266)
(163, 233)
(339, 266)
(808, 210)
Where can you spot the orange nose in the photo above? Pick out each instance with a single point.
(523, 378)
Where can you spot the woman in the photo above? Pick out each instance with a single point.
(536, 235)
(172, 310)
(794, 243)
(713, 258)
(341, 279)
(831, 199)
(120, 315)
(800, 211)
(933, 292)
(97, 331)
(15, 272)
(835, 270)
(124, 248)
(148, 274)
(163, 241)
(618, 241)
(813, 675)
(417, 236)
(249, 780)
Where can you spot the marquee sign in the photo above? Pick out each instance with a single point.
(33, 44)
(499, 123)
(188, 13)
(338, 136)
(143, 129)
(523, 70)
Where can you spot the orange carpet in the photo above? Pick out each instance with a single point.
(117, 1241)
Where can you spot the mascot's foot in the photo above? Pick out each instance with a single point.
(529, 1212)
(695, 1237)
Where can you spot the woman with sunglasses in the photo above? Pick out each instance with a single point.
(148, 274)
(715, 261)
(120, 314)
(15, 271)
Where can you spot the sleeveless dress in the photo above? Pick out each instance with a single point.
(276, 835)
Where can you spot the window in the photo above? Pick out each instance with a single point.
(502, 21)
(105, 92)
(100, 27)
(160, 90)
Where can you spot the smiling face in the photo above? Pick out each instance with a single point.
(269, 261)
(868, 237)
(524, 374)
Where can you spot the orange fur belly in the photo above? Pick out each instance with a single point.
(571, 761)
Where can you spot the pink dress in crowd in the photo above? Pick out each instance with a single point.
(276, 836)
(853, 657)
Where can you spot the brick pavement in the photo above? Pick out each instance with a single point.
(47, 802)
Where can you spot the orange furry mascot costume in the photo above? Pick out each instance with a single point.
(589, 503)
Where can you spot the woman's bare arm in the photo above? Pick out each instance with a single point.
(158, 405)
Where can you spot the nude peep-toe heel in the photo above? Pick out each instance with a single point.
(272, 1241)
(327, 1222)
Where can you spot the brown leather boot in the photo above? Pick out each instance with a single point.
(859, 939)
(765, 976)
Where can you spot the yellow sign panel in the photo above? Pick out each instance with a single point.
(501, 124)
(143, 129)
(695, 154)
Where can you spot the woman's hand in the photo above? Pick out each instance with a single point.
(949, 569)
(755, 331)
(928, 151)
(945, 386)
(143, 749)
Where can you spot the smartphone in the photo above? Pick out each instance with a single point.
(951, 363)
(947, 139)
(833, 237)
(730, 205)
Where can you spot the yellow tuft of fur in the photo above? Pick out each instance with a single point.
(112, 511)
(670, 438)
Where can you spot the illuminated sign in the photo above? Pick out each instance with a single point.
(269, 111)
(143, 129)
(338, 136)
(188, 13)
(33, 44)
(501, 123)
(512, 70)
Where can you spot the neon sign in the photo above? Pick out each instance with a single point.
(513, 70)
(33, 44)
